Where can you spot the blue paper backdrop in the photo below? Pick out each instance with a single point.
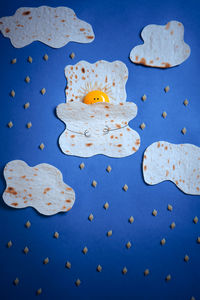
(117, 26)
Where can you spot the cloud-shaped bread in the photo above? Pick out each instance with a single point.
(52, 26)
(163, 47)
(100, 128)
(109, 77)
(177, 163)
(41, 187)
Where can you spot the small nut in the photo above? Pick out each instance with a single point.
(94, 183)
(45, 57)
(41, 146)
(72, 55)
(144, 97)
(10, 124)
(106, 205)
(56, 235)
(164, 114)
(68, 265)
(125, 187)
(13, 61)
(91, 217)
(154, 212)
(108, 169)
(78, 282)
(30, 60)
(109, 233)
(131, 219)
(124, 270)
(43, 91)
(99, 268)
(142, 126)
(26, 105)
(166, 89)
(28, 224)
(183, 130)
(29, 125)
(82, 166)
(163, 241)
(185, 102)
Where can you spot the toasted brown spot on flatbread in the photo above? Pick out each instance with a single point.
(83, 77)
(167, 25)
(14, 204)
(118, 125)
(137, 142)
(63, 21)
(25, 201)
(89, 37)
(158, 145)
(82, 29)
(134, 149)
(26, 13)
(107, 115)
(142, 61)
(30, 195)
(173, 167)
(165, 65)
(151, 62)
(83, 70)
(46, 190)
(106, 106)
(1, 22)
(72, 136)
(128, 129)
(113, 83)
(172, 32)
(68, 201)
(167, 173)
(49, 203)
(145, 156)
(119, 145)
(88, 144)
(121, 103)
(30, 18)
(112, 136)
(136, 57)
(9, 177)
(7, 30)
(179, 24)
(145, 168)
(11, 190)
(68, 189)
(166, 147)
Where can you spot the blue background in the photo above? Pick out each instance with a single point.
(117, 26)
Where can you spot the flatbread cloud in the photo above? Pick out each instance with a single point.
(40, 187)
(102, 127)
(177, 163)
(54, 27)
(163, 47)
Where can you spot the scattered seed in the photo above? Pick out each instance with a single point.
(163, 241)
(144, 97)
(142, 126)
(125, 187)
(94, 183)
(56, 235)
(91, 217)
(195, 220)
(166, 89)
(9, 244)
(124, 270)
(27, 79)
(154, 212)
(198, 240)
(128, 245)
(192, 298)
(46, 261)
(186, 258)
(43, 91)
(169, 207)
(168, 277)
(29, 125)
(82, 166)
(26, 250)
(185, 102)
(13, 61)
(146, 272)
(131, 219)
(45, 57)
(172, 225)
(109, 233)
(164, 114)
(28, 224)
(72, 55)
(183, 130)
(68, 265)
(108, 169)
(30, 60)
(106, 205)
(99, 268)
(78, 282)
(12, 93)
(39, 291)
(16, 281)
(41, 146)
(85, 250)
(26, 105)
(10, 124)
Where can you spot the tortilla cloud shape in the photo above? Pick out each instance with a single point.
(54, 27)
(177, 163)
(163, 47)
(98, 129)
(102, 127)
(41, 187)
(109, 77)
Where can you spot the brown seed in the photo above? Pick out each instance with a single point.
(109, 233)
(170, 207)
(185, 102)
(68, 265)
(27, 79)
(39, 291)
(166, 89)
(12, 93)
(125, 187)
(154, 212)
(186, 258)
(85, 250)
(45, 57)
(146, 272)
(195, 220)
(28, 224)
(82, 166)
(16, 281)
(30, 60)
(10, 124)
(131, 219)
(124, 270)
(29, 125)
(168, 277)
(41, 146)
(128, 245)
(164, 114)
(108, 169)
(99, 268)
(9, 244)
(72, 55)
(56, 235)
(26, 250)
(46, 261)
(94, 183)
(13, 61)
(163, 241)
(26, 105)
(91, 217)
(144, 97)
(142, 126)
(78, 282)
(183, 130)
(172, 225)
(43, 91)
(106, 205)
